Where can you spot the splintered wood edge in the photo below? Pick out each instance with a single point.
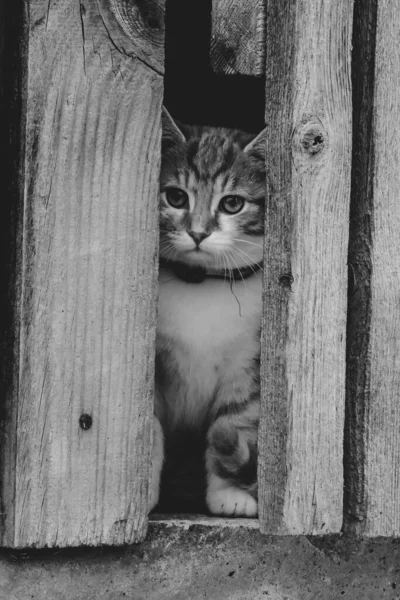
(185, 521)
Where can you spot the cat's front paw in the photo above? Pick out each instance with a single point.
(225, 499)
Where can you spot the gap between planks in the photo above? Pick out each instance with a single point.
(185, 521)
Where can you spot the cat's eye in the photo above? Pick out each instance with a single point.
(231, 204)
(176, 197)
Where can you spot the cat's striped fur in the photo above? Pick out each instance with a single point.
(208, 331)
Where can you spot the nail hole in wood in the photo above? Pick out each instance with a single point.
(286, 280)
(85, 421)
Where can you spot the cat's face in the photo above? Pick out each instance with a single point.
(212, 196)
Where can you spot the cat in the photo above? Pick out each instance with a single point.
(212, 202)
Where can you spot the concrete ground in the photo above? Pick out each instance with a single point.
(203, 562)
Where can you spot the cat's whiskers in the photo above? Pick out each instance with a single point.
(248, 256)
(249, 264)
(170, 252)
(232, 283)
(237, 266)
(226, 266)
(232, 280)
(168, 249)
(223, 263)
(247, 242)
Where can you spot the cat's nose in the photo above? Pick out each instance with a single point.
(198, 236)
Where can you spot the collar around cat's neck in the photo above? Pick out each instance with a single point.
(199, 274)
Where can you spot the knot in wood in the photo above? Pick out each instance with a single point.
(85, 421)
(140, 15)
(313, 140)
(151, 13)
(142, 21)
(310, 139)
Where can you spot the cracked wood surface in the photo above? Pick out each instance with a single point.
(308, 158)
(88, 269)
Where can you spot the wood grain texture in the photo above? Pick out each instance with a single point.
(374, 501)
(238, 37)
(87, 306)
(308, 116)
(142, 24)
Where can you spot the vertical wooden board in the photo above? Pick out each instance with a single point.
(238, 37)
(308, 116)
(88, 275)
(374, 503)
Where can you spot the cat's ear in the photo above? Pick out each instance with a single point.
(171, 134)
(257, 145)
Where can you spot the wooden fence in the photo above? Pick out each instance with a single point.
(81, 147)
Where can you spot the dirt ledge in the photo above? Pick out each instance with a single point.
(199, 561)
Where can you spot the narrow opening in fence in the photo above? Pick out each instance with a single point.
(358, 359)
(197, 96)
(13, 67)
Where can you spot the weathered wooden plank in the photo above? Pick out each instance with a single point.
(308, 116)
(373, 432)
(76, 468)
(238, 37)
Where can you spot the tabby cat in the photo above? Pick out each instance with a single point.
(212, 198)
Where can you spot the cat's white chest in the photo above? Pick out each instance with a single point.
(209, 316)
